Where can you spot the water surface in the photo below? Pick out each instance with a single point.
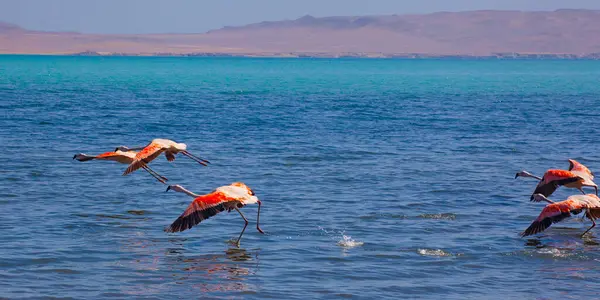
(379, 178)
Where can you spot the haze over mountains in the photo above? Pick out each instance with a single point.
(476, 33)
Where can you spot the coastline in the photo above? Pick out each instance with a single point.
(364, 55)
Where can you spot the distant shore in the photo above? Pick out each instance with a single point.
(484, 34)
(508, 56)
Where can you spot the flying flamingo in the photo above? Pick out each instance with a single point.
(576, 177)
(151, 151)
(229, 197)
(124, 157)
(557, 211)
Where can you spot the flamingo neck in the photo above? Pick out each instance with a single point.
(192, 194)
(536, 177)
(531, 175)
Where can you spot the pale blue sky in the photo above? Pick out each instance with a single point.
(158, 16)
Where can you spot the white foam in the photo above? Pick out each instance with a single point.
(433, 252)
(348, 242)
(554, 252)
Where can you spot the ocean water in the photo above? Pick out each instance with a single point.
(379, 178)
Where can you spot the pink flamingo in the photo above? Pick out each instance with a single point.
(577, 177)
(558, 211)
(229, 197)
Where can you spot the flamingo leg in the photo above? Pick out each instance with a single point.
(154, 174)
(581, 190)
(258, 219)
(201, 161)
(245, 225)
(595, 188)
(593, 225)
(147, 168)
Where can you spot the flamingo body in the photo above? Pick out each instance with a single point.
(155, 148)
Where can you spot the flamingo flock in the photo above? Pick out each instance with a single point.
(577, 176)
(237, 194)
(229, 197)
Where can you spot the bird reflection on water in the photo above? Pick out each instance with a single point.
(562, 239)
(216, 272)
(227, 271)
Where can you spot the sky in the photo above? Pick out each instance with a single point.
(195, 16)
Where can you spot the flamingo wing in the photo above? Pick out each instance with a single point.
(554, 213)
(148, 154)
(552, 180)
(577, 167)
(170, 156)
(201, 209)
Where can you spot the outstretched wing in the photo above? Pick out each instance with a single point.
(148, 154)
(552, 180)
(554, 213)
(199, 210)
(577, 167)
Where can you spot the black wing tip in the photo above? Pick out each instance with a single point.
(539, 226)
(187, 222)
(535, 227)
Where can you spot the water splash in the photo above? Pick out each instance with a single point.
(440, 216)
(554, 252)
(433, 252)
(348, 242)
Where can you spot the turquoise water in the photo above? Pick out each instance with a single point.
(379, 178)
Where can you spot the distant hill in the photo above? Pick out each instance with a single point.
(474, 33)
(6, 27)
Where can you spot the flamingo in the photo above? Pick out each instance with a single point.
(557, 211)
(124, 157)
(229, 197)
(577, 177)
(151, 151)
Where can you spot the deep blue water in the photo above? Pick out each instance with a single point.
(379, 178)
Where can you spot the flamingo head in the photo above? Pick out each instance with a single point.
(523, 174)
(175, 187)
(539, 198)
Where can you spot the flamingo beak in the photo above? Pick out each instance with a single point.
(517, 175)
(74, 156)
(168, 188)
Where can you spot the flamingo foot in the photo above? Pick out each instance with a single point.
(260, 230)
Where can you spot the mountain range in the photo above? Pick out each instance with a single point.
(472, 33)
